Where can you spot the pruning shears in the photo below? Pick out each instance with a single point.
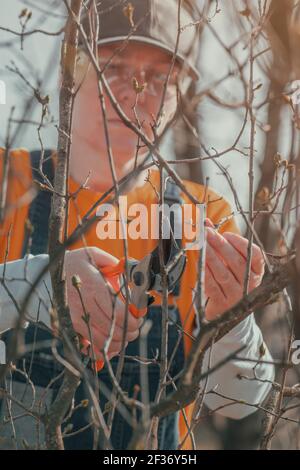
(145, 276)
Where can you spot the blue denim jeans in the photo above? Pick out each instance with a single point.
(43, 368)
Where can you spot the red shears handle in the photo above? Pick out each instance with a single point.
(112, 274)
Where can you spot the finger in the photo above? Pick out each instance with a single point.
(87, 350)
(113, 354)
(113, 305)
(105, 327)
(212, 289)
(89, 335)
(221, 272)
(241, 245)
(97, 337)
(231, 257)
(101, 258)
(114, 345)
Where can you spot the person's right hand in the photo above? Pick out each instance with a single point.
(98, 300)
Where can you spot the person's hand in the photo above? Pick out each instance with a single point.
(98, 301)
(226, 257)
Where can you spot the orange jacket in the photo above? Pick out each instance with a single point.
(21, 190)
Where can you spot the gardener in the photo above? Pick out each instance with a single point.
(146, 57)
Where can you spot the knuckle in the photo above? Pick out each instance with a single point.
(133, 336)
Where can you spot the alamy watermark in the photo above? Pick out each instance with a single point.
(140, 221)
(295, 358)
(2, 92)
(2, 353)
(295, 96)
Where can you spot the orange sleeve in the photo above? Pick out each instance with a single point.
(16, 198)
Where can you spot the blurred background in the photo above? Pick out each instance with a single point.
(213, 120)
(218, 126)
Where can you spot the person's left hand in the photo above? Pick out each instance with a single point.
(226, 257)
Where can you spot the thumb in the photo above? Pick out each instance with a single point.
(102, 258)
(110, 266)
